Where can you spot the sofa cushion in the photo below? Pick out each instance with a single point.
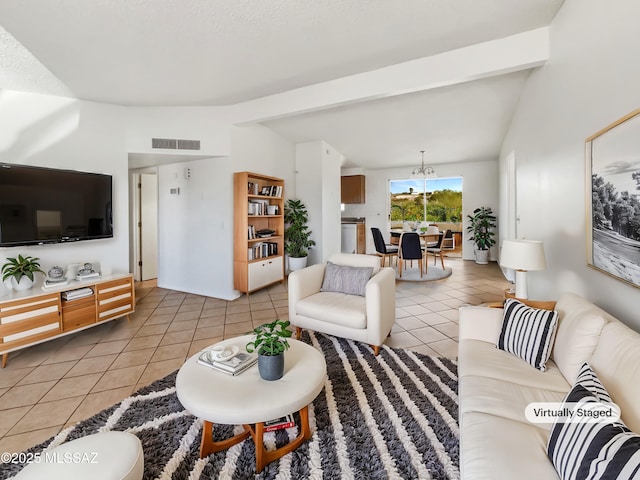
(589, 380)
(478, 358)
(346, 279)
(528, 332)
(504, 399)
(616, 360)
(593, 449)
(332, 307)
(580, 323)
(495, 448)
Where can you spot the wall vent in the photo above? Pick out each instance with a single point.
(173, 144)
(164, 143)
(188, 144)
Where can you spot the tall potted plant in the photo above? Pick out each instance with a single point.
(297, 235)
(481, 225)
(270, 343)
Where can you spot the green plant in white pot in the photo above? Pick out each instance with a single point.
(21, 270)
(297, 241)
(270, 343)
(481, 225)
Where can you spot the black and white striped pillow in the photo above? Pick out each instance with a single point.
(593, 450)
(589, 380)
(528, 332)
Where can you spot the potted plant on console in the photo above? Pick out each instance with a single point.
(296, 235)
(270, 343)
(481, 225)
(21, 271)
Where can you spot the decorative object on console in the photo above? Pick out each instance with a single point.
(481, 225)
(55, 278)
(270, 343)
(522, 256)
(21, 271)
(296, 235)
(87, 272)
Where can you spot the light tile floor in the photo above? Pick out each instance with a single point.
(52, 385)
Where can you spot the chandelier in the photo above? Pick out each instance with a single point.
(427, 172)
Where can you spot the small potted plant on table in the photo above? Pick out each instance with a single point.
(21, 271)
(270, 343)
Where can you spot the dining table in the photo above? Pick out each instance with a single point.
(427, 238)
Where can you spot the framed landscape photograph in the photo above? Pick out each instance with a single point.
(613, 199)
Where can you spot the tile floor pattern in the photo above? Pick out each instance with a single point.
(52, 385)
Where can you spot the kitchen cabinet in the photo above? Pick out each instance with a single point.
(352, 189)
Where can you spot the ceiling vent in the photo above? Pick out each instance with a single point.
(164, 143)
(173, 144)
(188, 144)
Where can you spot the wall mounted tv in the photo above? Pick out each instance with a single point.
(46, 205)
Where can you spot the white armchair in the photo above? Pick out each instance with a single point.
(366, 318)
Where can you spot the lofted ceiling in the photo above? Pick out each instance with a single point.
(222, 52)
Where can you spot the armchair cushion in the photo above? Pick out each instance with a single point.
(333, 307)
(346, 279)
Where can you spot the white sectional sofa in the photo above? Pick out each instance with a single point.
(495, 387)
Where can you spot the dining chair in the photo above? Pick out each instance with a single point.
(449, 241)
(437, 249)
(410, 249)
(383, 249)
(432, 230)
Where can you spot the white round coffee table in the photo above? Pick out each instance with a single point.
(248, 400)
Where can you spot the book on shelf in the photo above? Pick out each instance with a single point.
(279, 423)
(261, 250)
(233, 366)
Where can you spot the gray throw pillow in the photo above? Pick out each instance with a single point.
(346, 279)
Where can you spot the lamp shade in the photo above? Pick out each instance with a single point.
(523, 255)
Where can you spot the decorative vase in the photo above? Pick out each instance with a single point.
(297, 263)
(271, 367)
(25, 283)
(482, 257)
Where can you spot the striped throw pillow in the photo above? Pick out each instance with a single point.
(528, 332)
(589, 380)
(593, 450)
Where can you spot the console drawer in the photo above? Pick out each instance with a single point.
(78, 313)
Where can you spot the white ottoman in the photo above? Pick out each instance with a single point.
(102, 456)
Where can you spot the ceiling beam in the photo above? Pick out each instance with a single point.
(496, 57)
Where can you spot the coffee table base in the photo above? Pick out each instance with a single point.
(263, 457)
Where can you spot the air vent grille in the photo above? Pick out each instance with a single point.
(164, 143)
(188, 144)
(173, 144)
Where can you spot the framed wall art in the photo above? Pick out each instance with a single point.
(613, 199)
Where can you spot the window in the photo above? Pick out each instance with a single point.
(426, 199)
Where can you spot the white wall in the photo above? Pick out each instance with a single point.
(58, 132)
(590, 81)
(479, 188)
(210, 125)
(195, 229)
(318, 186)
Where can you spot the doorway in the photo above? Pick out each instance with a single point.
(145, 226)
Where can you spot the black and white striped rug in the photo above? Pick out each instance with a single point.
(391, 416)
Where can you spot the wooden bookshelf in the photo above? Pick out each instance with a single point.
(258, 202)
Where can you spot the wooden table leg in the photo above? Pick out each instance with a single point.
(5, 356)
(209, 446)
(263, 457)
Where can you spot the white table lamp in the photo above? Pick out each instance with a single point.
(522, 256)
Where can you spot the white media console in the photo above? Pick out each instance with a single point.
(34, 316)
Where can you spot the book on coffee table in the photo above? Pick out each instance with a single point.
(233, 366)
(279, 423)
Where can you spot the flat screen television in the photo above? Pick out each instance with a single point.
(46, 205)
